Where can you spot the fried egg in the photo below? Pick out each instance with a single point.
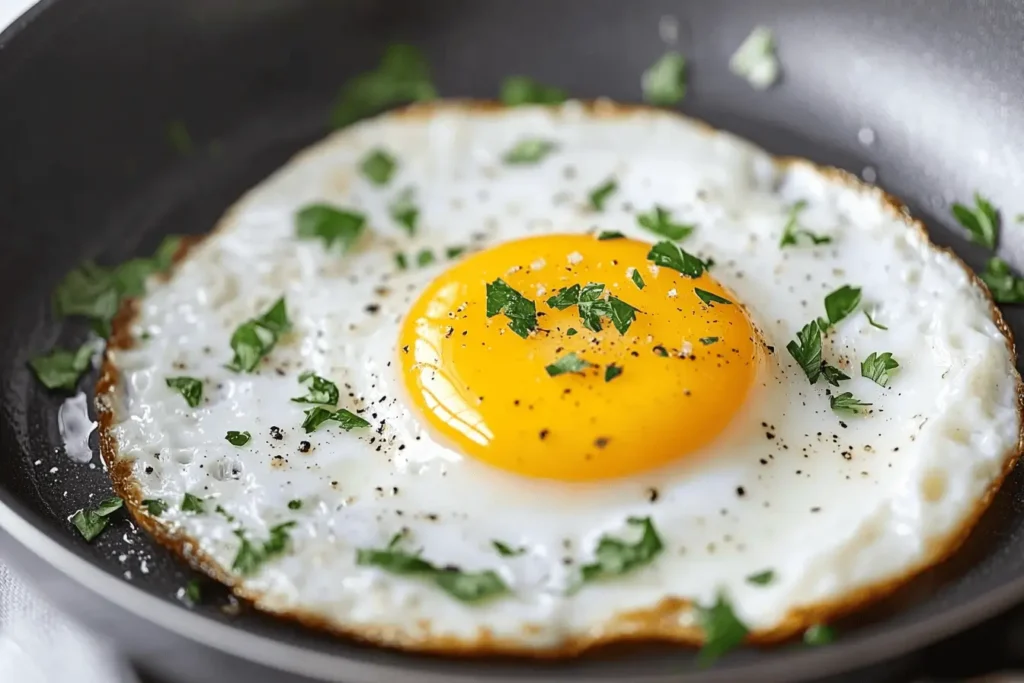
(566, 408)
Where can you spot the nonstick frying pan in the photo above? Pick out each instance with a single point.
(927, 96)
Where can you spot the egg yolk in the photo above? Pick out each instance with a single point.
(664, 385)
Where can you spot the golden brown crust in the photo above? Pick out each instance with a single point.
(659, 623)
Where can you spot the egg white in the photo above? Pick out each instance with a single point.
(834, 505)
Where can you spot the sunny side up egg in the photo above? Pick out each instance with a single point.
(533, 429)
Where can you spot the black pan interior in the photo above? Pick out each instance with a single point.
(89, 89)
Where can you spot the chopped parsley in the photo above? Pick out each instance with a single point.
(424, 258)
(982, 222)
(571, 332)
(664, 83)
(615, 557)
(878, 368)
(295, 504)
(566, 364)
(194, 591)
(192, 503)
(61, 369)
(401, 261)
(611, 372)
(529, 151)
(507, 551)
(723, 630)
(840, 304)
(255, 338)
(252, 555)
(454, 252)
(318, 415)
(806, 350)
(792, 233)
(1006, 288)
(709, 298)
(762, 578)
(819, 634)
(403, 210)
(610, 235)
(659, 221)
(565, 297)
(871, 321)
(833, 375)
(378, 166)
(592, 307)
(520, 90)
(670, 255)
(622, 314)
(708, 341)
(637, 280)
(470, 587)
(238, 438)
(319, 390)
(154, 506)
(846, 403)
(91, 522)
(402, 76)
(599, 195)
(189, 387)
(329, 224)
(520, 311)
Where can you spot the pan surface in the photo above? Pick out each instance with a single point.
(924, 96)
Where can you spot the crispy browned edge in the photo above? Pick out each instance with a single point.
(657, 623)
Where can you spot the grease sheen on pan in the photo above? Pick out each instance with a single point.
(835, 506)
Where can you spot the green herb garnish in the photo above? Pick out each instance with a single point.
(840, 304)
(506, 550)
(659, 221)
(792, 233)
(709, 298)
(318, 415)
(598, 196)
(61, 369)
(806, 350)
(611, 372)
(91, 522)
(192, 503)
(610, 235)
(846, 403)
(454, 252)
(520, 311)
(329, 224)
(565, 297)
(470, 587)
(189, 387)
(238, 438)
(295, 504)
(615, 557)
(664, 83)
(529, 151)
(378, 166)
(194, 591)
(1006, 288)
(622, 314)
(252, 555)
(762, 578)
(878, 368)
(567, 363)
(402, 76)
(723, 630)
(520, 90)
(403, 210)
(571, 332)
(256, 338)
(819, 634)
(637, 280)
(424, 258)
(871, 321)
(982, 222)
(155, 506)
(319, 390)
(400, 261)
(670, 255)
(592, 307)
(708, 341)
(833, 375)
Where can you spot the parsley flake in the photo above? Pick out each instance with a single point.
(529, 151)
(610, 235)
(819, 634)
(60, 369)
(320, 390)
(252, 555)
(622, 314)
(871, 321)
(194, 591)
(982, 222)
(792, 233)
(571, 332)
(709, 298)
(598, 196)
(664, 83)
(592, 307)
(155, 506)
(566, 364)
(469, 587)
(806, 350)
(189, 387)
(1006, 288)
(637, 280)
(378, 166)
(519, 90)
(329, 224)
(403, 210)
(506, 550)
(520, 311)
(319, 415)
(400, 261)
(846, 403)
(238, 438)
(659, 221)
(670, 255)
(833, 375)
(841, 303)
(762, 578)
(565, 297)
(454, 252)
(615, 557)
(192, 503)
(878, 368)
(723, 630)
(90, 523)
(708, 341)
(295, 504)
(424, 258)
(402, 76)
(611, 372)
(256, 338)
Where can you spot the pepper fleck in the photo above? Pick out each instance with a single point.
(304, 446)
